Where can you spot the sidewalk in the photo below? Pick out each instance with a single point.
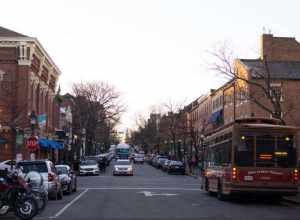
(196, 173)
(294, 199)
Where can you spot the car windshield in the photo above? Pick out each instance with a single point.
(88, 162)
(127, 162)
(63, 170)
(38, 167)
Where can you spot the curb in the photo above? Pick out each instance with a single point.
(291, 200)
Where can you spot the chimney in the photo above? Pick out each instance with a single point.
(266, 44)
(279, 48)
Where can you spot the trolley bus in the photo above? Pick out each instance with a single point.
(252, 156)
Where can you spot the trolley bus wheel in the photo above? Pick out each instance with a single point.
(206, 187)
(220, 194)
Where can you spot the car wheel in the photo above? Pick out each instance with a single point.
(220, 194)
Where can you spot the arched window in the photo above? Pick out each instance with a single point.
(2, 73)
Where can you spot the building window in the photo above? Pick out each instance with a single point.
(276, 92)
(1, 76)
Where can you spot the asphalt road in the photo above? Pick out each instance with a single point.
(152, 194)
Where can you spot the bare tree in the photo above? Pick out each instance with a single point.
(260, 78)
(98, 109)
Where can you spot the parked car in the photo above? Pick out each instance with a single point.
(166, 165)
(161, 162)
(139, 158)
(49, 173)
(67, 177)
(155, 160)
(176, 167)
(89, 167)
(123, 167)
(7, 165)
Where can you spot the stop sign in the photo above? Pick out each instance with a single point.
(32, 143)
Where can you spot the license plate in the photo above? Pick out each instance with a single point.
(248, 178)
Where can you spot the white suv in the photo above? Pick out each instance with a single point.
(48, 171)
(7, 164)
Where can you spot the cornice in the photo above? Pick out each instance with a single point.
(16, 41)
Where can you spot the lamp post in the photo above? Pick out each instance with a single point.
(171, 148)
(179, 150)
(202, 151)
(33, 123)
(83, 141)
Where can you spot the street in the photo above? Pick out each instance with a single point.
(153, 194)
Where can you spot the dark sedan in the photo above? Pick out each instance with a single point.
(176, 167)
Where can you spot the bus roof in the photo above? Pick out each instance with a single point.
(252, 123)
(123, 146)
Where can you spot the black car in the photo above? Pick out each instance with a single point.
(176, 167)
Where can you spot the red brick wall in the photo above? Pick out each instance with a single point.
(280, 48)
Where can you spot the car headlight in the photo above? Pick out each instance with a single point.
(66, 180)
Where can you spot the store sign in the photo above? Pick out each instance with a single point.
(32, 143)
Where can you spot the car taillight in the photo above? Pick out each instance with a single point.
(234, 173)
(295, 175)
(50, 177)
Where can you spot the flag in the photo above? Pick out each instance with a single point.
(42, 120)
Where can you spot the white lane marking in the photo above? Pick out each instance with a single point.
(69, 204)
(150, 194)
(141, 188)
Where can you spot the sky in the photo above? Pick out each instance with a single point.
(152, 51)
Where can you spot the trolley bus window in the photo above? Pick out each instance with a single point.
(244, 151)
(265, 147)
(286, 152)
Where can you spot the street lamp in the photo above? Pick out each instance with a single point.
(202, 151)
(83, 132)
(172, 148)
(179, 150)
(33, 123)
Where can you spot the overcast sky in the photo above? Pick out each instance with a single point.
(151, 51)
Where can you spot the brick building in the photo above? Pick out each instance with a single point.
(280, 58)
(28, 78)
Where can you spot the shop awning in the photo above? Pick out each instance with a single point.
(216, 116)
(2, 141)
(46, 143)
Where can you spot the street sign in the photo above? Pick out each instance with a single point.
(32, 143)
(19, 157)
(19, 139)
(150, 194)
